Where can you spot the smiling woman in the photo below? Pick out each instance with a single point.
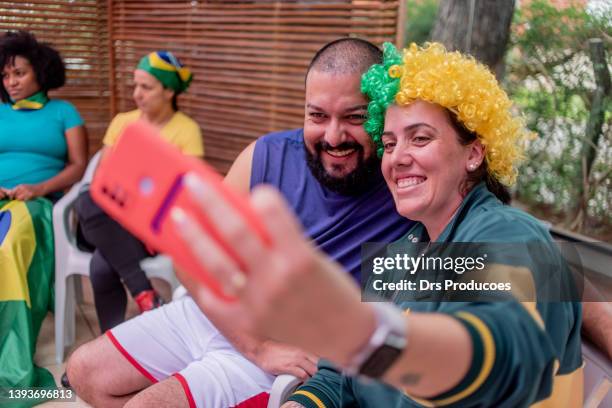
(43, 150)
(425, 164)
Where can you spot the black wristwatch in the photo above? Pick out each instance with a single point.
(385, 345)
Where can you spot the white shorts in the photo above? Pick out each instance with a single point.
(178, 340)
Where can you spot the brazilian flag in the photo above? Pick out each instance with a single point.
(26, 291)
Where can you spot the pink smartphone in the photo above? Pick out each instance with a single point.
(140, 181)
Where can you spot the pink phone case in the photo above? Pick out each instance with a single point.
(140, 181)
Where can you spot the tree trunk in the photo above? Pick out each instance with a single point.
(478, 27)
(594, 129)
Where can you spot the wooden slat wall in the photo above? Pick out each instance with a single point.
(248, 57)
(78, 29)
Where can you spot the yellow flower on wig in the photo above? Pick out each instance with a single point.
(456, 82)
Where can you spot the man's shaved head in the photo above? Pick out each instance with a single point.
(345, 56)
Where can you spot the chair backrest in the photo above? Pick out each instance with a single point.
(283, 387)
(91, 167)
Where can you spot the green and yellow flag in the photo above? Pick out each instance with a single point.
(26, 291)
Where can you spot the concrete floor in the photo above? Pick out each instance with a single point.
(86, 329)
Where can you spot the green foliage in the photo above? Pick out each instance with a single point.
(542, 28)
(550, 77)
(420, 20)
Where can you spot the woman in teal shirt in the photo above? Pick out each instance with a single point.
(43, 150)
(43, 144)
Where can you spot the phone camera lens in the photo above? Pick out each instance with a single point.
(146, 185)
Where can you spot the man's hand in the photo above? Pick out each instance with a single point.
(3, 193)
(25, 192)
(273, 357)
(277, 358)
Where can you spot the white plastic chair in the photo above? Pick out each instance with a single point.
(70, 261)
(179, 292)
(283, 387)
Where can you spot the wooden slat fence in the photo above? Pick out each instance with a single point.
(78, 29)
(248, 57)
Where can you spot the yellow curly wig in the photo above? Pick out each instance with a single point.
(458, 83)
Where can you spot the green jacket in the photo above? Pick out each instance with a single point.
(524, 352)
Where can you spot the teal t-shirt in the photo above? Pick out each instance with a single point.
(33, 143)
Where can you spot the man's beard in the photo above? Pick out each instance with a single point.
(362, 178)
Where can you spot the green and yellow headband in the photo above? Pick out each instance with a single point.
(164, 66)
(456, 82)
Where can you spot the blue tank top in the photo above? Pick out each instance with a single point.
(338, 224)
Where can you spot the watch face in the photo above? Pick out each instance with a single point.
(380, 360)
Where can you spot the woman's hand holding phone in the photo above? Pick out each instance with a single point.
(288, 291)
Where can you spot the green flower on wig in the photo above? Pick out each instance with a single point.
(380, 88)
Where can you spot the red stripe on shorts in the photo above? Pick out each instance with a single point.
(129, 357)
(257, 401)
(183, 382)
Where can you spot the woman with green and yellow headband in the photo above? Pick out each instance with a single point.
(159, 79)
(494, 320)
